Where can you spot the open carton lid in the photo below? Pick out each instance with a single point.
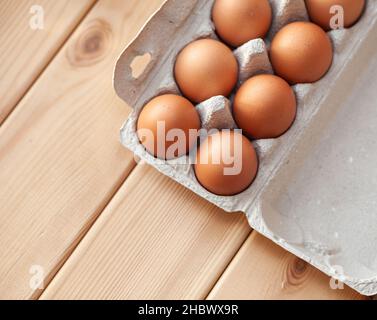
(322, 203)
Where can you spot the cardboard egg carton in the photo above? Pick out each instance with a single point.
(303, 205)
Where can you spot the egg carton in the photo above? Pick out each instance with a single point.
(316, 188)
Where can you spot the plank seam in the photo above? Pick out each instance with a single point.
(48, 62)
(228, 264)
(82, 236)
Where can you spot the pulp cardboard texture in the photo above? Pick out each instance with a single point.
(316, 190)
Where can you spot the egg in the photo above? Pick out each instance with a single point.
(301, 52)
(226, 163)
(237, 22)
(206, 68)
(321, 12)
(264, 107)
(168, 126)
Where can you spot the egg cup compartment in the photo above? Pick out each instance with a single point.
(285, 12)
(177, 24)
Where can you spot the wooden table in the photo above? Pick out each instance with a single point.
(77, 210)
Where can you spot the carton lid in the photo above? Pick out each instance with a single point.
(323, 201)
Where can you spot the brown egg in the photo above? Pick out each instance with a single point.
(226, 163)
(237, 22)
(168, 126)
(264, 107)
(301, 52)
(206, 68)
(320, 12)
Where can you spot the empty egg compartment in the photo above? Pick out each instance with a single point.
(284, 163)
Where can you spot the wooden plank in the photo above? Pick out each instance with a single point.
(155, 240)
(60, 156)
(26, 50)
(263, 270)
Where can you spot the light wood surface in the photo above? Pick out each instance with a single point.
(25, 51)
(263, 270)
(153, 245)
(66, 201)
(149, 244)
(60, 156)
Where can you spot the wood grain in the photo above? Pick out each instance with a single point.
(26, 52)
(263, 270)
(155, 240)
(60, 156)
